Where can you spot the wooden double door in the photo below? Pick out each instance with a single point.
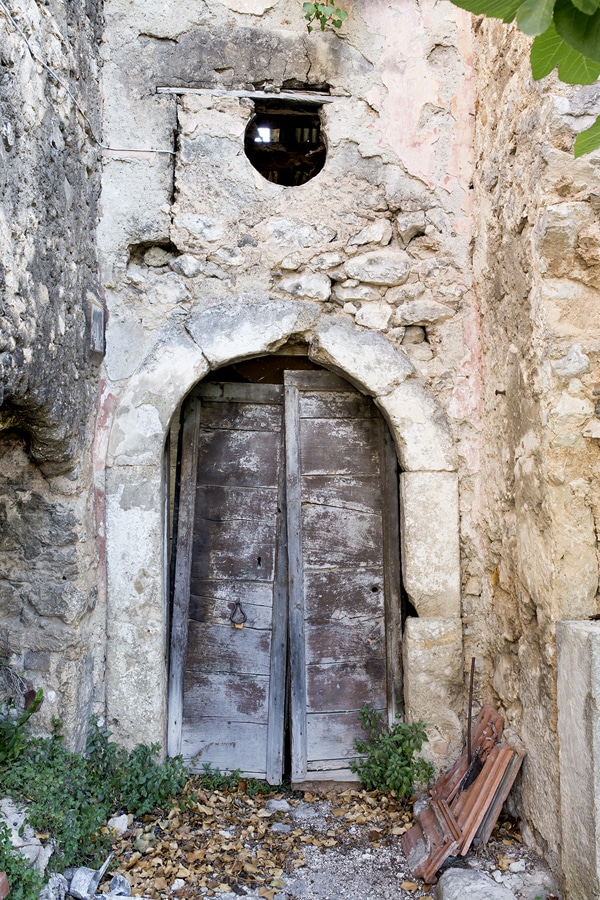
(286, 613)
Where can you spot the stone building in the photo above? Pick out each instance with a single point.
(212, 196)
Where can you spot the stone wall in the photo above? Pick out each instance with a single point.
(536, 268)
(205, 262)
(48, 271)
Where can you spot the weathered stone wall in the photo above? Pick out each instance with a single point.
(536, 269)
(205, 261)
(48, 273)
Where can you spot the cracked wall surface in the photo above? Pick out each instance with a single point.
(48, 272)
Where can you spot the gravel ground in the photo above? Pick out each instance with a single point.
(328, 846)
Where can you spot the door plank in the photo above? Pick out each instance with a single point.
(279, 646)
(346, 686)
(227, 391)
(339, 537)
(331, 735)
(336, 405)
(295, 582)
(354, 642)
(356, 444)
(241, 416)
(181, 594)
(342, 594)
(219, 741)
(240, 458)
(223, 648)
(391, 573)
(218, 611)
(239, 698)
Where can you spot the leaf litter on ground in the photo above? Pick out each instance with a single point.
(225, 842)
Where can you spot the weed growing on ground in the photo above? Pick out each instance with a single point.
(388, 761)
(25, 883)
(71, 795)
(212, 779)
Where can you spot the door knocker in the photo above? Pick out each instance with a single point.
(238, 616)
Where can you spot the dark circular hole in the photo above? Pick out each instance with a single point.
(375, 588)
(285, 144)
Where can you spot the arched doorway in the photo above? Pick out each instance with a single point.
(286, 615)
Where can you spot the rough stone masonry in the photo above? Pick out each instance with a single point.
(445, 261)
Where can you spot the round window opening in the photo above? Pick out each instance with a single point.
(285, 143)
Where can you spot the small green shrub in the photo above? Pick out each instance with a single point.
(25, 883)
(212, 779)
(71, 795)
(388, 760)
(13, 738)
(324, 14)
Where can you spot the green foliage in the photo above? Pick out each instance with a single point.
(588, 140)
(71, 795)
(25, 883)
(13, 738)
(324, 14)
(212, 779)
(389, 762)
(567, 36)
(549, 50)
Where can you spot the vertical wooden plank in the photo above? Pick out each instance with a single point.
(295, 583)
(166, 477)
(279, 642)
(183, 562)
(391, 572)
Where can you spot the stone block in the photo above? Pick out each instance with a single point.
(363, 292)
(578, 689)
(227, 333)
(434, 684)
(420, 427)
(366, 358)
(312, 285)
(430, 542)
(147, 405)
(464, 884)
(295, 233)
(387, 267)
(422, 312)
(378, 232)
(136, 669)
(374, 315)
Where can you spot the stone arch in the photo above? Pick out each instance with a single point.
(187, 350)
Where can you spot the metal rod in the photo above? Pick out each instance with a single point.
(299, 96)
(470, 717)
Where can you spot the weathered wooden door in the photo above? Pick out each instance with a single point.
(288, 529)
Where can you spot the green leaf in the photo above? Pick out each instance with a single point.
(496, 9)
(549, 50)
(588, 7)
(578, 30)
(587, 140)
(534, 16)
